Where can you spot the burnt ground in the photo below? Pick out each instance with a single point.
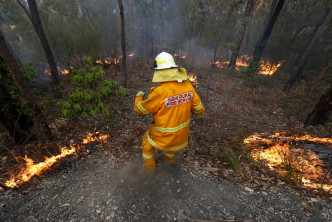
(101, 189)
(109, 184)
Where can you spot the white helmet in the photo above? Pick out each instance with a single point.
(164, 61)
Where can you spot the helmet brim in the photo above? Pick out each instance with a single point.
(172, 67)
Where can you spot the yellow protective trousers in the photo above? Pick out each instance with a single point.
(149, 162)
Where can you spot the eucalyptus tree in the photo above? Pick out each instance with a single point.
(123, 44)
(35, 19)
(236, 51)
(261, 43)
(322, 110)
(300, 62)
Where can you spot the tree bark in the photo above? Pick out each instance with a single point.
(322, 110)
(273, 6)
(37, 25)
(39, 120)
(123, 45)
(301, 60)
(203, 18)
(260, 46)
(235, 54)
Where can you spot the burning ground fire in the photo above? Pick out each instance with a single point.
(31, 169)
(61, 71)
(289, 160)
(107, 61)
(193, 79)
(243, 61)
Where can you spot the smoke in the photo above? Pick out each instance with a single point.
(196, 29)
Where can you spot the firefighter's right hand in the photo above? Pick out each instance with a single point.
(140, 93)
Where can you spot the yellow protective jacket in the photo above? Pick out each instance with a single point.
(171, 105)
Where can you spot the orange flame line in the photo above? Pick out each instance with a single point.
(33, 169)
(277, 156)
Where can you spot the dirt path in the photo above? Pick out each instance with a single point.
(100, 189)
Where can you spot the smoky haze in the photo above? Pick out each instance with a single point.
(199, 30)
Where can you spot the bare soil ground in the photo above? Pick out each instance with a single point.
(109, 185)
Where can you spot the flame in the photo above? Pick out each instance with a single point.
(131, 54)
(110, 60)
(269, 69)
(183, 57)
(279, 135)
(31, 169)
(61, 71)
(175, 54)
(65, 71)
(47, 71)
(300, 164)
(193, 79)
(266, 68)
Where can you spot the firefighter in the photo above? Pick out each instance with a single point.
(171, 105)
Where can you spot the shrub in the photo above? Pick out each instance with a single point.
(91, 92)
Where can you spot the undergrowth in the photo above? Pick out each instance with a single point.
(92, 93)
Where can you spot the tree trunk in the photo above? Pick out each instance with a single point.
(273, 6)
(37, 24)
(322, 111)
(17, 123)
(39, 120)
(260, 46)
(301, 60)
(123, 45)
(203, 18)
(235, 54)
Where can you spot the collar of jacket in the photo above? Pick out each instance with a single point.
(167, 75)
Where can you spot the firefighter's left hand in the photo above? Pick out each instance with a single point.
(140, 93)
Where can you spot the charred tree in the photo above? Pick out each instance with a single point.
(236, 53)
(260, 46)
(123, 45)
(301, 60)
(38, 26)
(17, 76)
(322, 111)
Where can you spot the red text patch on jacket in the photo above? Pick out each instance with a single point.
(178, 99)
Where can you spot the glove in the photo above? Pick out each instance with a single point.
(140, 93)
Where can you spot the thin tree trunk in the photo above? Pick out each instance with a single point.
(123, 45)
(322, 111)
(203, 18)
(260, 46)
(301, 60)
(273, 6)
(45, 132)
(37, 25)
(235, 54)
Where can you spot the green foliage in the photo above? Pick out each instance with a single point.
(250, 72)
(91, 93)
(293, 168)
(232, 46)
(253, 79)
(233, 161)
(329, 4)
(7, 83)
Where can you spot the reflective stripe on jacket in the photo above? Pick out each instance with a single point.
(171, 105)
